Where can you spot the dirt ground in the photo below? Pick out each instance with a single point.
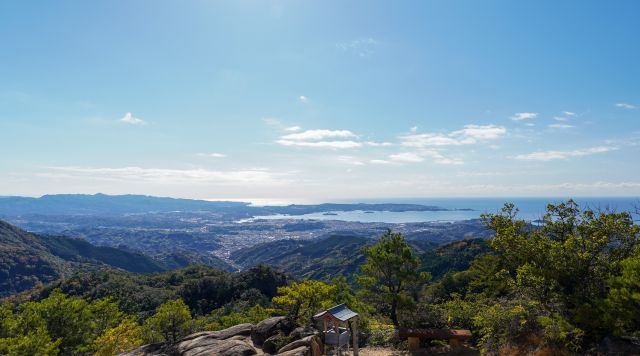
(385, 351)
(381, 351)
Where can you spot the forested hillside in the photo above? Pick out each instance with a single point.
(28, 259)
(342, 255)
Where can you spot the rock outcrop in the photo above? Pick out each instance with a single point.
(270, 327)
(310, 345)
(267, 337)
(228, 342)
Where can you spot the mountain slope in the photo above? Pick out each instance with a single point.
(79, 250)
(329, 257)
(25, 261)
(28, 259)
(452, 257)
(320, 259)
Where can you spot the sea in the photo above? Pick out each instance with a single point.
(530, 209)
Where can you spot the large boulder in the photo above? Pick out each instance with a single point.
(228, 347)
(301, 332)
(269, 327)
(152, 350)
(300, 351)
(312, 344)
(240, 329)
(231, 341)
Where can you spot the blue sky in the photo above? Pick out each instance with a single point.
(320, 100)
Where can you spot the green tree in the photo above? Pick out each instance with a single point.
(171, 322)
(34, 342)
(623, 300)
(301, 300)
(561, 279)
(64, 318)
(106, 315)
(390, 274)
(124, 337)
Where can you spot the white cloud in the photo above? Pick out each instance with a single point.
(625, 106)
(378, 144)
(303, 99)
(558, 118)
(568, 113)
(470, 134)
(320, 144)
(293, 128)
(555, 155)
(438, 158)
(561, 126)
(170, 176)
(519, 116)
(128, 118)
(414, 129)
(420, 156)
(379, 161)
(212, 155)
(410, 157)
(318, 135)
(335, 139)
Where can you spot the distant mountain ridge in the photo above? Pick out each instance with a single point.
(102, 204)
(28, 259)
(82, 204)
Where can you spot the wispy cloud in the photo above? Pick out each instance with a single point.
(625, 106)
(212, 155)
(293, 128)
(568, 113)
(410, 157)
(421, 156)
(363, 47)
(303, 99)
(321, 144)
(379, 161)
(561, 126)
(319, 135)
(470, 134)
(169, 176)
(556, 155)
(378, 144)
(321, 139)
(271, 121)
(438, 158)
(520, 116)
(128, 118)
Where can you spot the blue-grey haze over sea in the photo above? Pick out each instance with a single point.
(529, 209)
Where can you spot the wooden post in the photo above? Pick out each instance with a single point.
(414, 343)
(354, 325)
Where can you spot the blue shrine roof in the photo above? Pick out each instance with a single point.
(340, 312)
